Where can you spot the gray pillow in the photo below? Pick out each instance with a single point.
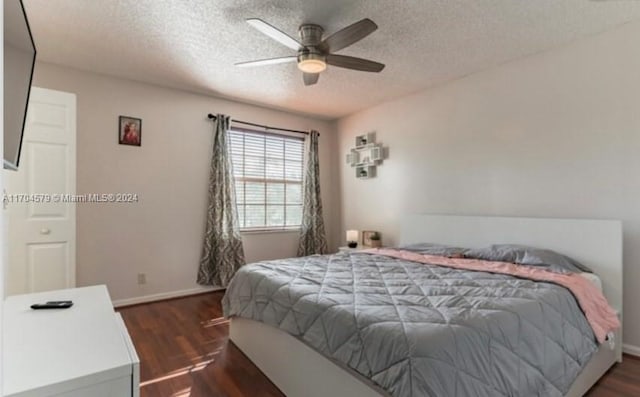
(435, 249)
(530, 256)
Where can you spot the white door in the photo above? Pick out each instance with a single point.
(41, 219)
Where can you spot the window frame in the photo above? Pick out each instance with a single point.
(265, 228)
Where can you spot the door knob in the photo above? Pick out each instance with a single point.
(45, 230)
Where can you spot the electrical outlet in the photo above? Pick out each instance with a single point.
(142, 278)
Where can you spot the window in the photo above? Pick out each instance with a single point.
(268, 177)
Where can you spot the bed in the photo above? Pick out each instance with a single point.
(299, 370)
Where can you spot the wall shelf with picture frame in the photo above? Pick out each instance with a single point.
(365, 156)
(365, 171)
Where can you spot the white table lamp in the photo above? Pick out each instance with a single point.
(352, 238)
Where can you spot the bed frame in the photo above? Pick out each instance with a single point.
(298, 370)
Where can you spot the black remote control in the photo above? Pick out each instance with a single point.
(52, 305)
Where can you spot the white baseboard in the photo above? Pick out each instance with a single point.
(164, 295)
(631, 349)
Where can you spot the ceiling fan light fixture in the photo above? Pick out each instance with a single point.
(312, 65)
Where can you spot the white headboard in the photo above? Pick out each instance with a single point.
(596, 243)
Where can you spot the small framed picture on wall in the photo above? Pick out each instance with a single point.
(129, 131)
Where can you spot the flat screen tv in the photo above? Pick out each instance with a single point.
(19, 60)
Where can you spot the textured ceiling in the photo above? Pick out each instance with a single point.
(193, 44)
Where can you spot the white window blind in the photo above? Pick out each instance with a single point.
(268, 178)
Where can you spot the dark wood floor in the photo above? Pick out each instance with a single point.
(184, 351)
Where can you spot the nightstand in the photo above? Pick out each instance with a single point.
(347, 249)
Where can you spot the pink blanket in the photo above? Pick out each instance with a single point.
(597, 310)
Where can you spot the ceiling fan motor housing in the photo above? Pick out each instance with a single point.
(310, 34)
(311, 58)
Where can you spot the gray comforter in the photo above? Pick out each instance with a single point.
(422, 330)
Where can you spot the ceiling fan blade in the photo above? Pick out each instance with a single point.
(264, 62)
(344, 61)
(310, 78)
(349, 35)
(274, 33)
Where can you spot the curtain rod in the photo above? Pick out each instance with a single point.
(213, 117)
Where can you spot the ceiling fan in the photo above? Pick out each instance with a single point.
(314, 53)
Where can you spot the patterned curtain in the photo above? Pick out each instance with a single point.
(222, 252)
(312, 236)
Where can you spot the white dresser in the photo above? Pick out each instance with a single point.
(83, 351)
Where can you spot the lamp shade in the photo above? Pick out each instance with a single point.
(352, 235)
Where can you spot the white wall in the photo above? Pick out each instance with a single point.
(553, 135)
(162, 234)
